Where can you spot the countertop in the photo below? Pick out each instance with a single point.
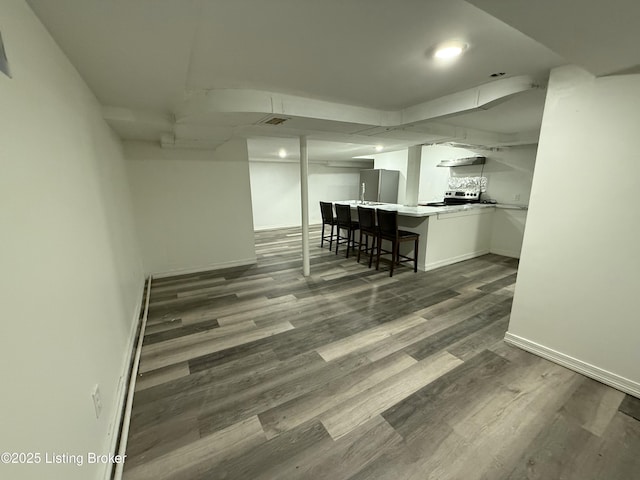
(421, 211)
(511, 207)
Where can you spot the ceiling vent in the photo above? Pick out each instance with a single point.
(273, 120)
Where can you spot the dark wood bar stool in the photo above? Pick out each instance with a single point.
(368, 229)
(343, 213)
(388, 230)
(326, 208)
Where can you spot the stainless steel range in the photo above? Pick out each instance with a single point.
(457, 197)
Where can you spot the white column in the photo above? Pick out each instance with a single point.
(304, 200)
(413, 175)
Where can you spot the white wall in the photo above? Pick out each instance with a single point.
(192, 207)
(509, 172)
(275, 191)
(576, 297)
(71, 276)
(434, 179)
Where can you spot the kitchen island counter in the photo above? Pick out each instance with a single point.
(448, 234)
(419, 211)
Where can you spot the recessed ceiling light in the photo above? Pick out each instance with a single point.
(379, 148)
(282, 153)
(450, 50)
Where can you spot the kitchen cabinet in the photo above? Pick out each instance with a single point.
(453, 237)
(508, 231)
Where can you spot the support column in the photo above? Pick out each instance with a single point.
(413, 175)
(304, 200)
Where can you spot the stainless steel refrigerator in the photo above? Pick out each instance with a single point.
(380, 185)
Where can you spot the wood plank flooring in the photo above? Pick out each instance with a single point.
(260, 373)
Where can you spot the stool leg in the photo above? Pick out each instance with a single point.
(348, 241)
(360, 247)
(378, 252)
(322, 237)
(331, 239)
(415, 257)
(394, 255)
(353, 240)
(373, 249)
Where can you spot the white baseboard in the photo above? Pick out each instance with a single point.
(505, 253)
(278, 227)
(121, 391)
(449, 261)
(118, 468)
(608, 378)
(206, 268)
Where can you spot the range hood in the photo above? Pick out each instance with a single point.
(459, 162)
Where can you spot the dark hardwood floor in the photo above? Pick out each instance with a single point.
(260, 373)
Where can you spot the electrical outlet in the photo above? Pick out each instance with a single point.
(516, 197)
(97, 400)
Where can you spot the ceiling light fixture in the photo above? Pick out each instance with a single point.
(450, 50)
(379, 148)
(282, 153)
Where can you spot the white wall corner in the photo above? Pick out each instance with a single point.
(504, 252)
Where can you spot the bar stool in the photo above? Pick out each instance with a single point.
(367, 219)
(343, 213)
(326, 208)
(388, 230)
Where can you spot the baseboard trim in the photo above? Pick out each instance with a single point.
(608, 378)
(121, 392)
(449, 261)
(505, 253)
(206, 268)
(123, 434)
(278, 227)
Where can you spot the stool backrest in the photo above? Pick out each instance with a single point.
(367, 218)
(387, 221)
(326, 208)
(343, 212)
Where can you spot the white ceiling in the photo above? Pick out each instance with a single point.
(355, 72)
(319, 151)
(373, 53)
(600, 36)
(522, 113)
